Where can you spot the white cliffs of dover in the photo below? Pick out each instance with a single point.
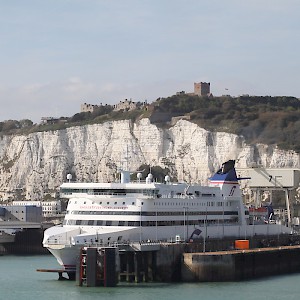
(34, 165)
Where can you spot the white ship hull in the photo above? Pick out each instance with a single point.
(67, 254)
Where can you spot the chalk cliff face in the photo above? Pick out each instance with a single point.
(34, 165)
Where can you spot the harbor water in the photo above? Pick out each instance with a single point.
(19, 280)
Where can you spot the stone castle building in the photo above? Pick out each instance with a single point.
(202, 88)
(85, 107)
(126, 105)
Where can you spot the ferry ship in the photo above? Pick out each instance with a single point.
(145, 210)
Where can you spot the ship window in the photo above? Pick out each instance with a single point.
(100, 202)
(142, 203)
(116, 203)
(132, 203)
(107, 202)
(123, 203)
(133, 223)
(108, 223)
(99, 222)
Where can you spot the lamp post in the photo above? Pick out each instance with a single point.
(223, 220)
(238, 221)
(156, 224)
(205, 225)
(185, 223)
(140, 223)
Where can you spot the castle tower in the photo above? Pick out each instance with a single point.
(202, 88)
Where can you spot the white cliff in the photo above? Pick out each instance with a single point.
(34, 165)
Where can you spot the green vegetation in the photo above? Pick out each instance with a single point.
(157, 172)
(100, 115)
(260, 119)
(11, 126)
(268, 120)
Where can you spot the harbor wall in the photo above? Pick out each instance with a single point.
(182, 263)
(168, 262)
(27, 241)
(239, 265)
(217, 260)
(210, 260)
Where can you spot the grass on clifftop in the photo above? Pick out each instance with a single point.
(260, 119)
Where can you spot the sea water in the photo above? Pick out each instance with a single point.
(19, 280)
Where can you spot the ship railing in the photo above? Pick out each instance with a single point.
(63, 238)
(107, 194)
(59, 241)
(118, 244)
(115, 244)
(176, 196)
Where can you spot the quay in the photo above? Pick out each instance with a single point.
(237, 265)
(186, 262)
(18, 225)
(24, 237)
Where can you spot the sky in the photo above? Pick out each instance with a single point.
(57, 54)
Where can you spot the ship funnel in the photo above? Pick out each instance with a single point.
(125, 176)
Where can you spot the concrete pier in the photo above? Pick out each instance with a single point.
(97, 267)
(189, 262)
(137, 266)
(27, 241)
(240, 265)
(172, 263)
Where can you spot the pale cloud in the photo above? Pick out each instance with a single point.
(32, 88)
(110, 87)
(54, 56)
(76, 85)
